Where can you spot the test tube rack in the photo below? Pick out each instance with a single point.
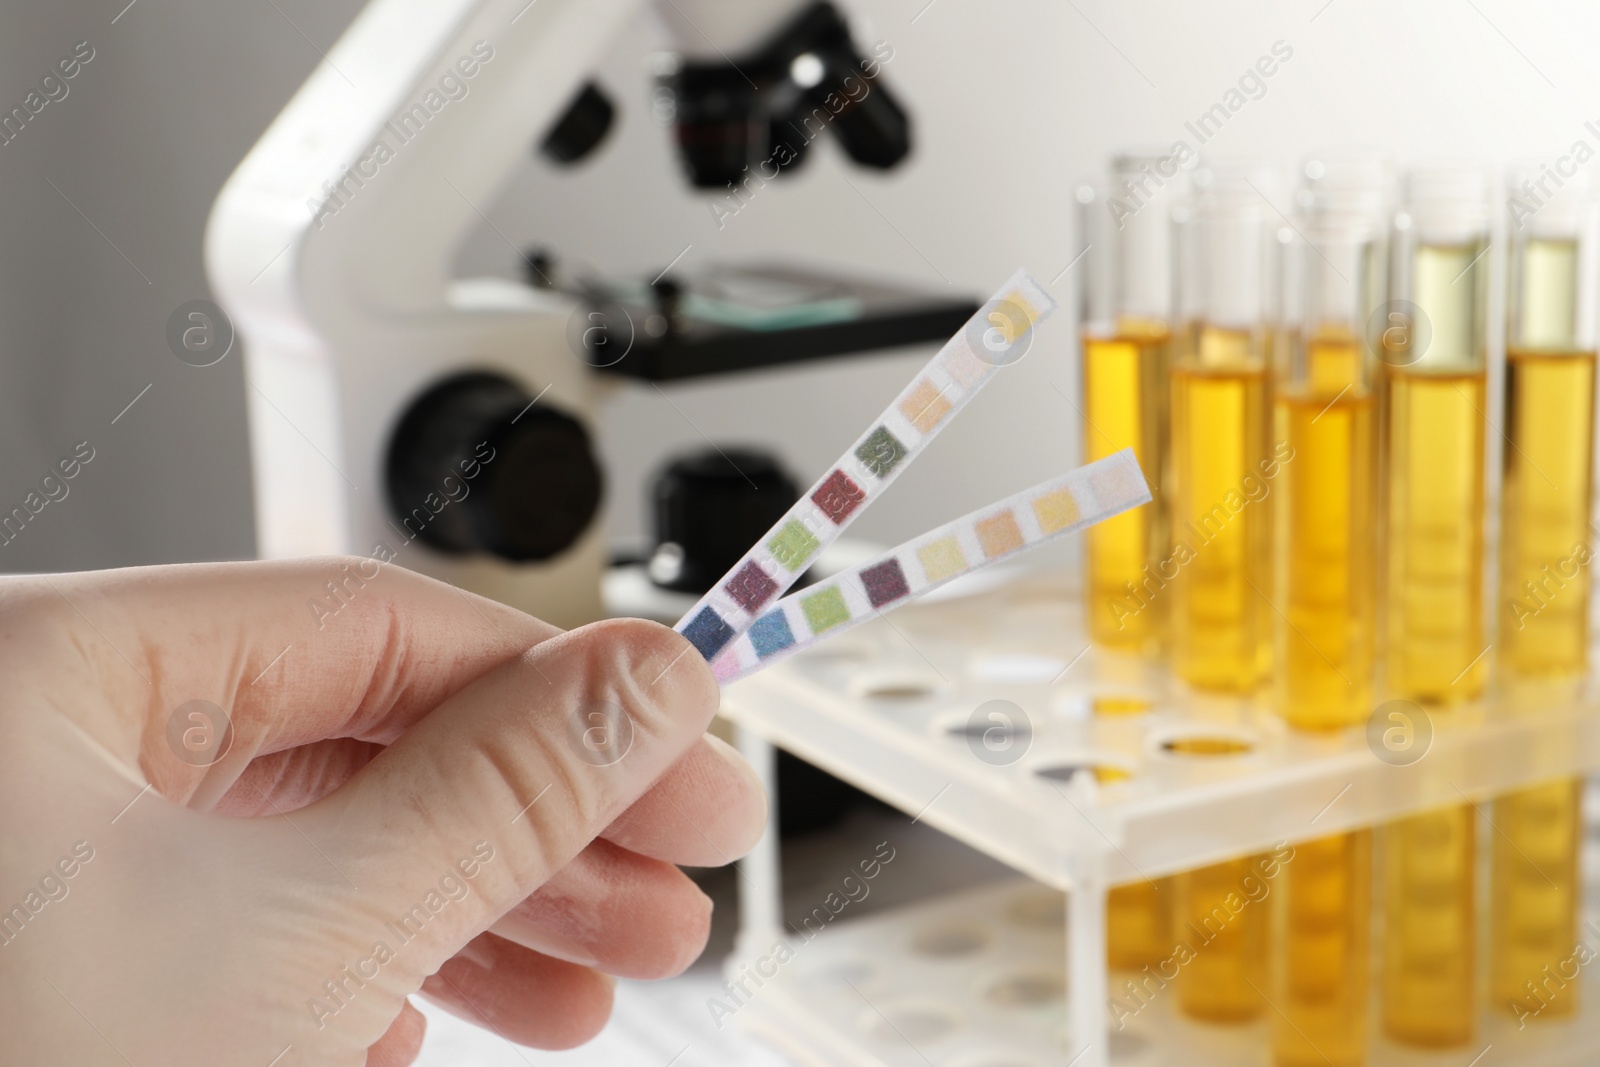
(890, 708)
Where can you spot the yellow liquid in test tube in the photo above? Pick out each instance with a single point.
(1434, 424)
(1428, 957)
(1535, 893)
(1125, 406)
(1325, 539)
(1327, 505)
(1138, 925)
(1545, 537)
(1138, 915)
(1221, 525)
(1328, 913)
(1224, 980)
(1544, 593)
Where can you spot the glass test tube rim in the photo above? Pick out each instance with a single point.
(1443, 203)
(1445, 206)
(1575, 202)
(1571, 213)
(1202, 221)
(1152, 155)
(1311, 243)
(1221, 174)
(1371, 168)
(1362, 183)
(1117, 305)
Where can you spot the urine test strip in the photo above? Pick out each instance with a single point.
(995, 336)
(1003, 530)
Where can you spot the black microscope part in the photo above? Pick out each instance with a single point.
(750, 117)
(713, 505)
(475, 466)
(581, 127)
(887, 316)
(539, 268)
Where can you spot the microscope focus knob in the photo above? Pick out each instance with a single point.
(711, 506)
(475, 465)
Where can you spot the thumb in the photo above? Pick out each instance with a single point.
(498, 788)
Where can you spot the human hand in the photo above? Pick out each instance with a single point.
(404, 801)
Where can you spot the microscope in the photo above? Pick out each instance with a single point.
(447, 424)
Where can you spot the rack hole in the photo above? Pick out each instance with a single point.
(910, 1023)
(898, 691)
(999, 733)
(845, 972)
(829, 654)
(1208, 745)
(1104, 773)
(897, 687)
(951, 942)
(1029, 989)
(1113, 705)
(1041, 910)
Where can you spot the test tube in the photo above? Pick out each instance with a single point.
(1432, 342)
(1553, 231)
(1126, 294)
(1225, 976)
(1432, 346)
(1221, 459)
(1429, 957)
(1218, 629)
(1326, 535)
(1345, 182)
(1534, 894)
(1322, 978)
(1325, 577)
(1551, 312)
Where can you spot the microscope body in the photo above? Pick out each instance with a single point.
(330, 248)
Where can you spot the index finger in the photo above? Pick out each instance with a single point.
(248, 637)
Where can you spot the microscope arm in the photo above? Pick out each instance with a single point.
(330, 248)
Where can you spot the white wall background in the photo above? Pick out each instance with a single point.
(177, 92)
(1013, 99)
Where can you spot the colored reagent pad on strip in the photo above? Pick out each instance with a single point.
(999, 334)
(1033, 517)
